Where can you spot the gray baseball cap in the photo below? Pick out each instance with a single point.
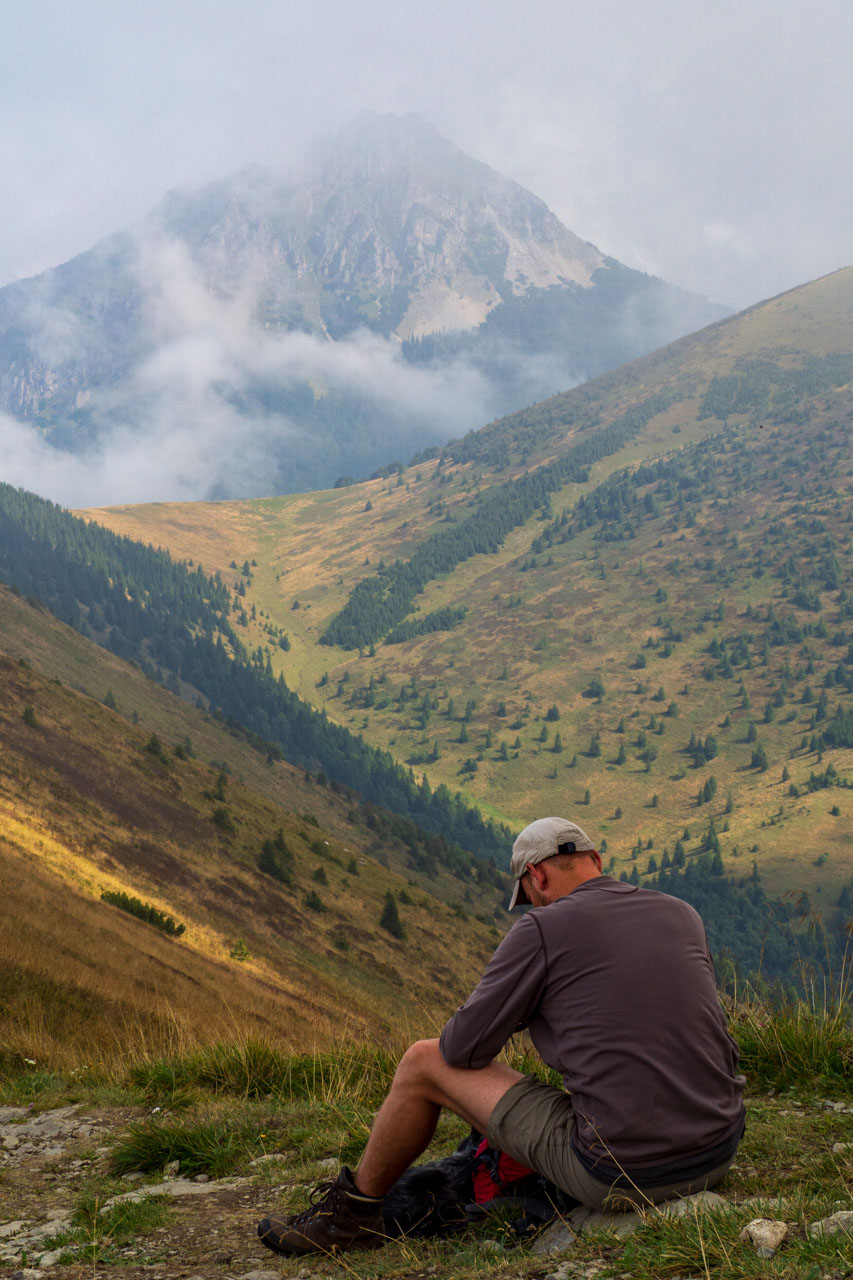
(540, 840)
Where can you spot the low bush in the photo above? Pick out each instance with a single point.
(144, 911)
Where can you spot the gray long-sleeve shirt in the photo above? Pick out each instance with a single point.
(616, 986)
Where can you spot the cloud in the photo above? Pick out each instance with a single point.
(215, 404)
(197, 417)
(159, 463)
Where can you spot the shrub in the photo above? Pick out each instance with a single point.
(143, 911)
(222, 819)
(155, 748)
(314, 902)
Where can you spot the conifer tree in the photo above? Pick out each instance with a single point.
(390, 918)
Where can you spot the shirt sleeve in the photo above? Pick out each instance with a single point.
(502, 1002)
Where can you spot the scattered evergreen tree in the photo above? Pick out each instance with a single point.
(276, 859)
(390, 918)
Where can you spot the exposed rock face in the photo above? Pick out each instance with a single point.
(452, 233)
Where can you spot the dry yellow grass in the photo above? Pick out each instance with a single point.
(85, 808)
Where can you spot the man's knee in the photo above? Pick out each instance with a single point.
(418, 1063)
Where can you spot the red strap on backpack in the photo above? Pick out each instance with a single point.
(495, 1172)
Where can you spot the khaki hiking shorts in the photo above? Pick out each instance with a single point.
(533, 1123)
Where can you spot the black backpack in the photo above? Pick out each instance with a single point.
(438, 1198)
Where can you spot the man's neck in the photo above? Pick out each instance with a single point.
(571, 880)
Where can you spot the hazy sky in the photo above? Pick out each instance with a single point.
(707, 141)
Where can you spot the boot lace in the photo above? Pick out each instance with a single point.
(325, 1197)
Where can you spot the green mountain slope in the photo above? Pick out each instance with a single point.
(137, 602)
(692, 580)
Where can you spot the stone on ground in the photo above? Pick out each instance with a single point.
(834, 1224)
(765, 1234)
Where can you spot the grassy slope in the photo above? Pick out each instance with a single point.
(85, 807)
(594, 606)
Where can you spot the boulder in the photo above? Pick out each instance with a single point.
(684, 1206)
(561, 1235)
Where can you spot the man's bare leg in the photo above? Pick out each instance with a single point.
(423, 1084)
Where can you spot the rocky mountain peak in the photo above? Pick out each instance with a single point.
(244, 292)
(374, 144)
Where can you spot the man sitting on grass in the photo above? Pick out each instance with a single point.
(616, 988)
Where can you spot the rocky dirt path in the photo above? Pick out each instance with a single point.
(45, 1161)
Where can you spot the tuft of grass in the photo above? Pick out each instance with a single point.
(25, 1086)
(214, 1145)
(255, 1068)
(120, 1223)
(803, 1043)
(97, 1233)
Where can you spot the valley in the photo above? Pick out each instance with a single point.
(690, 584)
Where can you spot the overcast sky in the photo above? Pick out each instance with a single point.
(707, 141)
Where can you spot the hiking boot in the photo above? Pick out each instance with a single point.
(338, 1218)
